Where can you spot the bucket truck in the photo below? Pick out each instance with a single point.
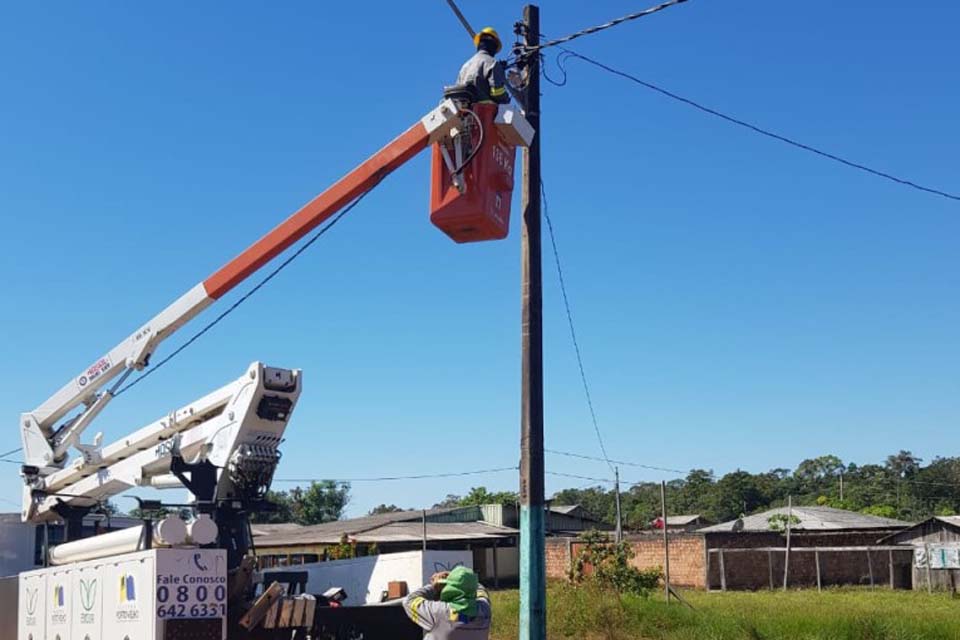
(170, 579)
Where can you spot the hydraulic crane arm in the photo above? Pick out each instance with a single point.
(45, 444)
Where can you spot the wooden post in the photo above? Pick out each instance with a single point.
(870, 567)
(618, 532)
(929, 577)
(533, 579)
(666, 541)
(770, 567)
(496, 574)
(786, 557)
(816, 557)
(890, 559)
(723, 573)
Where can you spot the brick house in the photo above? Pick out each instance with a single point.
(841, 547)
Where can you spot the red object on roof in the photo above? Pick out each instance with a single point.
(482, 211)
(657, 523)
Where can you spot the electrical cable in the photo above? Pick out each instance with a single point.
(757, 129)
(11, 452)
(621, 462)
(526, 51)
(578, 477)
(252, 291)
(573, 333)
(392, 478)
(476, 146)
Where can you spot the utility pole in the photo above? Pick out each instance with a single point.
(533, 592)
(618, 533)
(666, 541)
(841, 485)
(786, 555)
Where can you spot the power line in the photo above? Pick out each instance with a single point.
(11, 452)
(573, 333)
(578, 477)
(607, 25)
(752, 127)
(252, 291)
(621, 462)
(392, 478)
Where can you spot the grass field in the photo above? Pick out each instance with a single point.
(847, 614)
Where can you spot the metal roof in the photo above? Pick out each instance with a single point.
(922, 527)
(677, 521)
(333, 532)
(273, 528)
(811, 519)
(952, 520)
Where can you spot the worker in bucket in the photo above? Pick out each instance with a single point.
(483, 72)
(454, 606)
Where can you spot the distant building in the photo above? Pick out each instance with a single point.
(489, 531)
(749, 552)
(690, 522)
(493, 545)
(935, 544)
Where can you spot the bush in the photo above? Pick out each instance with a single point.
(607, 565)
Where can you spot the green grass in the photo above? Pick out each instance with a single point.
(834, 614)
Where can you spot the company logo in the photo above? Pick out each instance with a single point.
(128, 588)
(196, 561)
(93, 372)
(88, 594)
(58, 596)
(32, 601)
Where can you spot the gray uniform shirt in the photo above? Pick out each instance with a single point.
(487, 76)
(439, 620)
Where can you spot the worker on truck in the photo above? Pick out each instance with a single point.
(454, 606)
(482, 72)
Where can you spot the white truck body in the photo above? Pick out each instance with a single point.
(134, 596)
(365, 579)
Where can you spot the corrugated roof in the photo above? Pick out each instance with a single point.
(900, 536)
(954, 520)
(272, 528)
(333, 532)
(677, 521)
(811, 519)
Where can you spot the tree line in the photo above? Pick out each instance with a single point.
(900, 487)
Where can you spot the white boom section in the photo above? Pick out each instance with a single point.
(237, 428)
(46, 444)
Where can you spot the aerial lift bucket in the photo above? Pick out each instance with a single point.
(472, 173)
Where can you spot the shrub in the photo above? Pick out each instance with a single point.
(607, 564)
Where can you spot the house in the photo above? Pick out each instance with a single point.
(827, 547)
(489, 531)
(690, 522)
(494, 546)
(935, 544)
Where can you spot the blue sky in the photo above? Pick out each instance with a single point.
(739, 303)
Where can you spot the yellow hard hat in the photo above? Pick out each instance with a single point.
(488, 31)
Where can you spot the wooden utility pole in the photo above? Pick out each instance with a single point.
(666, 541)
(533, 592)
(786, 555)
(618, 532)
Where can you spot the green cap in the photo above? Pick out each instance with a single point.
(460, 591)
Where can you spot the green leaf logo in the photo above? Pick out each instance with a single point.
(88, 593)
